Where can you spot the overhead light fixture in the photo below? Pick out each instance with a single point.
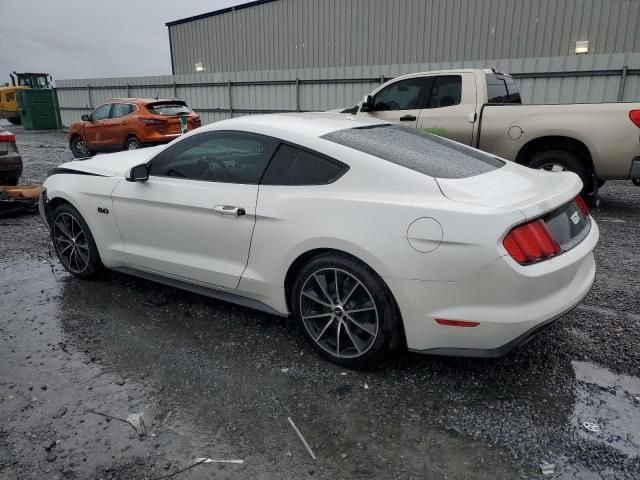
(582, 46)
(200, 67)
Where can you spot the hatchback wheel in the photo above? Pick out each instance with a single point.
(79, 147)
(74, 243)
(346, 311)
(132, 143)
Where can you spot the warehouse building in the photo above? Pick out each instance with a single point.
(308, 55)
(296, 34)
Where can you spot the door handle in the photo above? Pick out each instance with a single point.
(229, 210)
(408, 118)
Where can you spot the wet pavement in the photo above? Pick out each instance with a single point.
(219, 381)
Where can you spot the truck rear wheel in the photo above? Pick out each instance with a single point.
(559, 161)
(14, 120)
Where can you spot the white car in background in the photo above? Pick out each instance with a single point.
(372, 235)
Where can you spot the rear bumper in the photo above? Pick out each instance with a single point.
(511, 303)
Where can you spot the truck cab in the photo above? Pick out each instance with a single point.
(446, 103)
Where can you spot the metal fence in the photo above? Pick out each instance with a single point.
(575, 79)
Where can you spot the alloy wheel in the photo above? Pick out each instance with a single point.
(339, 313)
(71, 243)
(80, 147)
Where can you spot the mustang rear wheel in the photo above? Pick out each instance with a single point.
(346, 311)
(74, 243)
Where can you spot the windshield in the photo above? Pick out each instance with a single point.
(419, 151)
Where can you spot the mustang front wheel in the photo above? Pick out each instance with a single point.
(74, 243)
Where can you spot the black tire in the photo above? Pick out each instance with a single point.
(79, 147)
(132, 143)
(83, 243)
(364, 346)
(15, 120)
(636, 182)
(563, 158)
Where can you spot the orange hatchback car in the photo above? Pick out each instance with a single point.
(129, 124)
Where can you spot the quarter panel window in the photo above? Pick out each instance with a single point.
(101, 113)
(446, 90)
(295, 166)
(402, 95)
(227, 157)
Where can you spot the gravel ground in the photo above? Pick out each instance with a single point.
(215, 380)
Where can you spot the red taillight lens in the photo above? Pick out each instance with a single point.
(7, 137)
(634, 116)
(531, 242)
(583, 206)
(153, 121)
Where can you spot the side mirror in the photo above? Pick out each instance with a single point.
(367, 104)
(139, 173)
(85, 118)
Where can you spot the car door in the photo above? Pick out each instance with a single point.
(93, 129)
(449, 107)
(399, 102)
(115, 127)
(193, 218)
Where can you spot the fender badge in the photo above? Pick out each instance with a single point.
(103, 210)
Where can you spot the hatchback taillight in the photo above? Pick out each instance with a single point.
(153, 121)
(634, 116)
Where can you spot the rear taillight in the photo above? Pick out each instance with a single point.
(154, 121)
(531, 242)
(634, 116)
(7, 137)
(582, 205)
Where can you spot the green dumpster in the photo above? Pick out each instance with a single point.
(37, 108)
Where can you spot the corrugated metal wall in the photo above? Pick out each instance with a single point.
(589, 78)
(290, 34)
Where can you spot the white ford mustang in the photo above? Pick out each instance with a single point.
(372, 235)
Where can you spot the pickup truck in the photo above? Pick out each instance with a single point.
(483, 109)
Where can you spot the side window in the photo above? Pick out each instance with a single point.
(446, 90)
(121, 110)
(295, 166)
(502, 89)
(228, 157)
(402, 95)
(101, 113)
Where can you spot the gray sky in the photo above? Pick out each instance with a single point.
(92, 38)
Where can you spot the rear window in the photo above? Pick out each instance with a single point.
(169, 109)
(502, 89)
(418, 151)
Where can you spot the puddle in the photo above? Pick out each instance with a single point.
(612, 402)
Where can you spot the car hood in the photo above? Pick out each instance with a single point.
(114, 164)
(533, 192)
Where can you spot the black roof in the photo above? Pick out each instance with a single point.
(218, 12)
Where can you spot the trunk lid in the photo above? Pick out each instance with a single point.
(533, 192)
